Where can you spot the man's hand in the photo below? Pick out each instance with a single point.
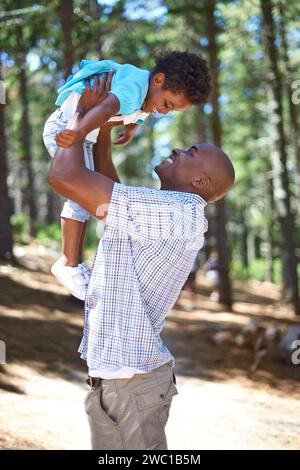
(90, 98)
(126, 135)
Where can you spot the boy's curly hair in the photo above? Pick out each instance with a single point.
(186, 73)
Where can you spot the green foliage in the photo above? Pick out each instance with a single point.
(49, 234)
(20, 226)
(256, 270)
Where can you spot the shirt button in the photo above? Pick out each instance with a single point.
(162, 396)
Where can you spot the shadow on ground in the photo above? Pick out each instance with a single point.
(190, 342)
(42, 329)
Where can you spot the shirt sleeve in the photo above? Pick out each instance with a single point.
(128, 87)
(150, 214)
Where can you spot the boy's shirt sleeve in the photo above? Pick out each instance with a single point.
(130, 87)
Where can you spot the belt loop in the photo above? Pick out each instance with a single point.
(94, 382)
(91, 383)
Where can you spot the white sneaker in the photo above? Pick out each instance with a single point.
(72, 278)
(86, 271)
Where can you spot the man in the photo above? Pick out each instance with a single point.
(149, 244)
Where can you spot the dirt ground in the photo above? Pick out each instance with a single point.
(223, 402)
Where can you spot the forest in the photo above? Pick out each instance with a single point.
(252, 50)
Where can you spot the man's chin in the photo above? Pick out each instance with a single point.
(157, 169)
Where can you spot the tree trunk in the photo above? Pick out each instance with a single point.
(269, 273)
(279, 160)
(288, 79)
(244, 240)
(221, 218)
(53, 207)
(26, 134)
(200, 124)
(6, 239)
(66, 19)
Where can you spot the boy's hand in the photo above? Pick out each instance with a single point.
(68, 137)
(126, 135)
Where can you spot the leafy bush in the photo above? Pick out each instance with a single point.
(20, 227)
(49, 234)
(256, 270)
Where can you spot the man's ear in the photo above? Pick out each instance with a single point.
(159, 79)
(203, 182)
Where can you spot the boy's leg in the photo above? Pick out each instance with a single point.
(71, 231)
(68, 268)
(81, 241)
(74, 222)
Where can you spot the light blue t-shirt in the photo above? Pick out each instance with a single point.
(129, 83)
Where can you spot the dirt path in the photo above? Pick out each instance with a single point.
(222, 404)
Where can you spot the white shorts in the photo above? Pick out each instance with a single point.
(55, 124)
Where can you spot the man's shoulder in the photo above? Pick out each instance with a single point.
(159, 196)
(137, 192)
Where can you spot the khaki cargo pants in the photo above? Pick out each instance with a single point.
(131, 414)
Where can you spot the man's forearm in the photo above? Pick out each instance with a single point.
(103, 155)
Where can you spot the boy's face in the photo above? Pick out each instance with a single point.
(163, 101)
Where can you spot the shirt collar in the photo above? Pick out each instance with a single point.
(188, 196)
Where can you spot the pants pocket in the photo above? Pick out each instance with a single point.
(153, 406)
(102, 409)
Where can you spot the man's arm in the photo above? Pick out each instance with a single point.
(69, 177)
(102, 154)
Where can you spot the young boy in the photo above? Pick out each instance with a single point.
(178, 80)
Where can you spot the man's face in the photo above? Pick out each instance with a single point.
(163, 101)
(182, 167)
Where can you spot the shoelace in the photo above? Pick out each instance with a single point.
(86, 271)
(79, 279)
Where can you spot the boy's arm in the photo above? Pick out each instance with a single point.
(69, 177)
(99, 115)
(102, 154)
(126, 135)
(93, 119)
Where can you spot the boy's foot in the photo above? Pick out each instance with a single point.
(72, 278)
